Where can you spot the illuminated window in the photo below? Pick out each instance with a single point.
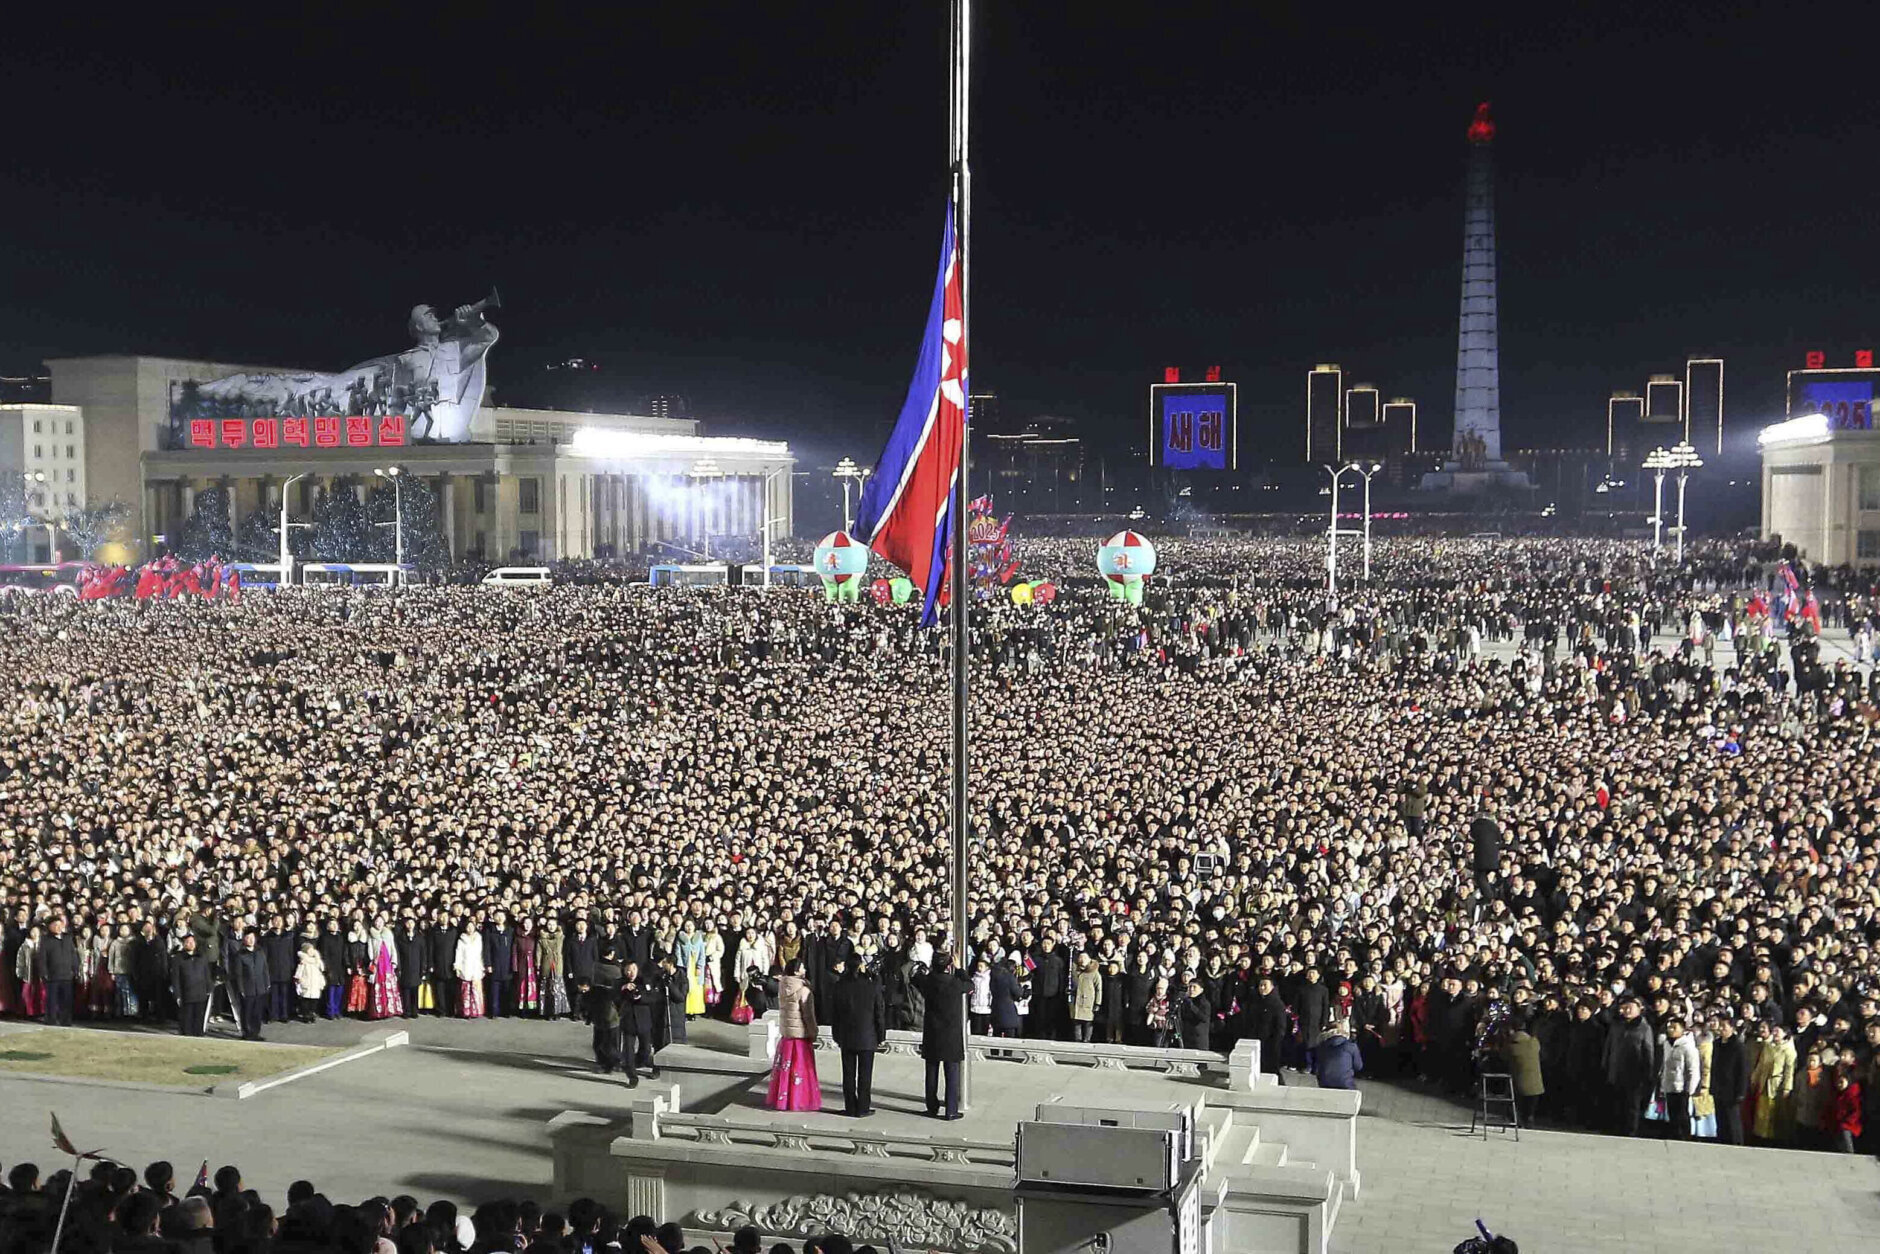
(529, 495)
(1870, 486)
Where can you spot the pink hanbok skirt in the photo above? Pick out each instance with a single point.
(793, 1082)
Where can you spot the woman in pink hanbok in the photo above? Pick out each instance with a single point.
(524, 970)
(793, 1081)
(386, 1002)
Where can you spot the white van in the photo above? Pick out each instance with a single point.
(515, 576)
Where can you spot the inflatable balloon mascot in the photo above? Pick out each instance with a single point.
(1126, 561)
(841, 560)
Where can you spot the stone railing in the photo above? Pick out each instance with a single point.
(802, 1139)
(1240, 1070)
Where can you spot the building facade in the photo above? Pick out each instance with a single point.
(534, 484)
(42, 470)
(1821, 490)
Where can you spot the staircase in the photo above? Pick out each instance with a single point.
(1256, 1197)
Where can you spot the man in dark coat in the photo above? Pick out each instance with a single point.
(823, 955)
(249, 983)
(1729, 1079)
(414, 965)
(282, 947)
(441, 941)
(1138, 985)
(1195, 1013)
(1313, 1004)
(943, 1031)
(670, 986)
(499, 957)
(1263, 1018)
(1584, 1099)
(580, 952)
(191, 982)
(333, 958)
(1485, 837)
(859, 1019)
(152, 965)
(638, 1000)
(600, 1002)
(1049, 981)
(57, 967)
(1447, 1047)
(1631, 1066)
(635, 944)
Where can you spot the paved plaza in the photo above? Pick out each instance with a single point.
(461, 1114)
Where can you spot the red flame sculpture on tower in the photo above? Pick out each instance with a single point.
(1482, 129)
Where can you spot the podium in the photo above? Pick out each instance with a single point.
(1098, 1180)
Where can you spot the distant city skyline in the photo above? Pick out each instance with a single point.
(755, 237)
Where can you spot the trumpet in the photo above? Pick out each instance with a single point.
(492, 301)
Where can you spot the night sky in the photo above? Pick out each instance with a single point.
(743, 205)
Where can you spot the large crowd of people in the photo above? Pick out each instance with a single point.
(1551, 805)
(110, 1209)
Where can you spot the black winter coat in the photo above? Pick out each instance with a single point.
(858, 1015)
(1007, 992)
(943, 1021)
(1729, 1070)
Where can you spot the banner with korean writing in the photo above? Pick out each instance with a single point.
(434, 389)
(330, 431)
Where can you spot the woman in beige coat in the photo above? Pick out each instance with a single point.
(1086, 996)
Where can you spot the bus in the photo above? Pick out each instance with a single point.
(716, 575)
(36, 579)
(751, 575)
(257, 574)
(354, 574)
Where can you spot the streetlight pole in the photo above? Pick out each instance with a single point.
(287, 556)
(1331, 538)
(847, 471)
(1367, 516)
(768, 520)
(704, 471)
(398, 519)
(1685, 458)
(1658, 461)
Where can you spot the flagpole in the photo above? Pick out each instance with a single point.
(962, 495)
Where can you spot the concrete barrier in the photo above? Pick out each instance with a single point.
(1241, 1069)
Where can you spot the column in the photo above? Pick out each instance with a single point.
(447, 512)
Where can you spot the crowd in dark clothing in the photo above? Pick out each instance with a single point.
(1494, 792)
(112, 1210)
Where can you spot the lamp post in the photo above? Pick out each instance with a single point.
(1658, 461)
(1374, 468)
(398, 519)
(1364, 470)
(1684, 460)
(704, 470)
(287, 556)
(768, 520)
(847, 471)
(1331, 537)
(37, 478)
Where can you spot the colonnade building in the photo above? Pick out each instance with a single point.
(537, 484)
